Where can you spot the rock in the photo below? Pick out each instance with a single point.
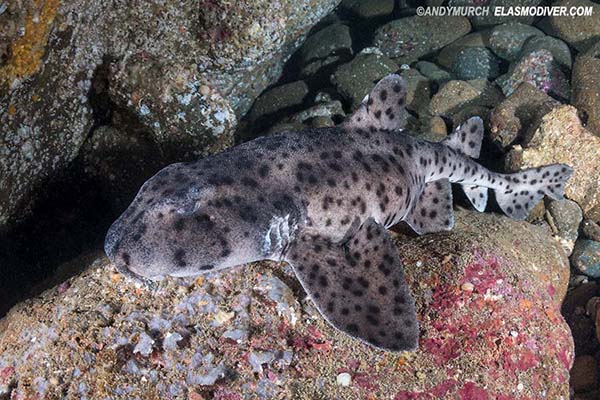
(331, 110)
(286, 127)
(454, 96)
(185, 72)
(369, 8)
(577, 279)
(579, 32)
(330, 41)
(418, 93)
(506, 326)
(278, 99)
(586, 257)
(559, 49)
(507, 40)
(590, 230)
(438, 128)
(565, 216)
(596, 317)
(344, 379)
(586, 87)
(354, 80)
(448, 54)
(432, 72)
(119, 162)
(584, 374)
(578, 299)
(581, 324)
(536, 215)
(40, 75)
(540, 70)
(475, 63)
(407, 39)
(560, 138)
(321, 122)
(320, 67)
(517, 116)
(503, 16)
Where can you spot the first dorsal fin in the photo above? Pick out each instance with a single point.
(467, 137)
(384, 107)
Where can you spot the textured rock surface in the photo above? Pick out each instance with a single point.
(475, 39)
(279, 98)
(119, 161)
(184, 71)
(491, 18)
(354, 80)
(433, 72)
(586, 257)
(487, 294)
(507, 40)
(334, 39)
(455, 96)
(559, 49)
(418, 91)
(369, 8)
(540, 70)
(515, 118)
(579, 32)
(560, 138)
(586, 87)
(475, 63)
(409, 38)
(565, 216)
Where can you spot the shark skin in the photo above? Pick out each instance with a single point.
(321, 200)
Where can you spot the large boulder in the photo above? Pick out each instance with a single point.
(488, 296)
(407, 39)
(560, 138)
(184, 71)
(586, 87)
(514, 118)
(579, 32)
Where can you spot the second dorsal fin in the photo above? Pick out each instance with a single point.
(467, 137)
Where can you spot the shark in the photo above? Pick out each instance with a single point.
(322, 200)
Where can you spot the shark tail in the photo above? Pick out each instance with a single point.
(522, 190)
(515, 193)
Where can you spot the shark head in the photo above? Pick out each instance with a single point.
(173, 228)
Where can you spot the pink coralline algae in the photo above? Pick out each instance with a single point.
(539, 69)
(490, 329)
(494, 317)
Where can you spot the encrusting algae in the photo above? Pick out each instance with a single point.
(27, 50)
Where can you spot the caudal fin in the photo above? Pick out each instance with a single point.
(522, 190)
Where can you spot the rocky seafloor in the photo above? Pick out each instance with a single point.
(96, 98)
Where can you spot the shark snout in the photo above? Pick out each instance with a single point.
(112, 240)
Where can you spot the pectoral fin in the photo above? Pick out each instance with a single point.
(358, 286)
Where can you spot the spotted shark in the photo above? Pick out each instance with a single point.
(322, 200)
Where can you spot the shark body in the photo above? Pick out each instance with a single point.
(321, 200)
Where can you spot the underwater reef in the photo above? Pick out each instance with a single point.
(96, 97)
(488, 300)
